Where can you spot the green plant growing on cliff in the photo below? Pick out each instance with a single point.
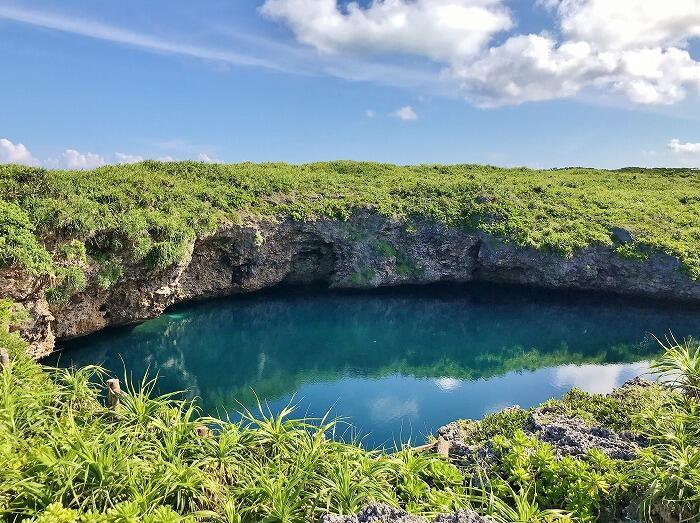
(69, 276)
(109, 273)
(580, 486)
(18, 243)
(150, 211)
(680, 366)
(405, 265)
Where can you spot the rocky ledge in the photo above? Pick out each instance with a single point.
(366, 251)
(568, 435)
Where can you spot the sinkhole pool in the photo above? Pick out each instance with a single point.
(396, 364)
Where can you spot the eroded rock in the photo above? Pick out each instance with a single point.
(572, 437)
(380, 513)
(366, 251)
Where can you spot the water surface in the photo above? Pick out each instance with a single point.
(397, 364)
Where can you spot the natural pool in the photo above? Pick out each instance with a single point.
(396, 364)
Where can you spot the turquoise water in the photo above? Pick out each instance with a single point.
(396, 364)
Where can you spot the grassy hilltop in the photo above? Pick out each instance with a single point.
(150, 211)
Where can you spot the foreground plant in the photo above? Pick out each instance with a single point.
(65, 457)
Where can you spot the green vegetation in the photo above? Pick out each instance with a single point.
(405, 265)
(109, 273)
(68, 458)
(149, 212)
(663, 482)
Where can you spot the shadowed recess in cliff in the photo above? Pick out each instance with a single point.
(396, 363)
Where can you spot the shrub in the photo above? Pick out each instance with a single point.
(151, 209)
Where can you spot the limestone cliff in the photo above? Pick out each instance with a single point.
(366, 251)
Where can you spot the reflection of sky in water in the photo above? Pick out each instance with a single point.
(419, 406)
(396, 363)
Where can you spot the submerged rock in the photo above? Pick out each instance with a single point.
(380, 513)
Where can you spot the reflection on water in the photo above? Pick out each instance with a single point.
(395, 363)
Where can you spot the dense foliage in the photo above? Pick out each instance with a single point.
(67, 458)
(150, 211)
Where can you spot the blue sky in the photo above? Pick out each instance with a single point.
(88, 82)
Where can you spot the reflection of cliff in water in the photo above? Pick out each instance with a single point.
(272, 343)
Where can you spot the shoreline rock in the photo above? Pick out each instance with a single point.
(569, 436)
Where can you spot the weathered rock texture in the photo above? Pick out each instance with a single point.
(572, 437)
(568, 435)
(379, 513)
(366, 251)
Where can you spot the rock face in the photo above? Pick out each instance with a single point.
(379, 513)
(572, 437)
(366, 251)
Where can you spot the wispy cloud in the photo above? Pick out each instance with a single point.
(273, 55)
(101, 31)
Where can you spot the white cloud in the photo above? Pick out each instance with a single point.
(530, 68)
(637, 49)
(534, 67)
(438, 29)
(203, 157)
(629, 24)
(16, 153)
(633, 47)
(679, 147)
(73, 159)
(369, 113)
(448, 384)
(100, 31)
(406, 114)
(128, 158)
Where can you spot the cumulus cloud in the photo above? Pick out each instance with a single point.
(406, 114)
(128, 158)
(438, 29)
(534, 67)
(15, 153)
(369, 113)
(73, 159)
(637, 48)
(629, 24)
(679, 147)
(530, 68)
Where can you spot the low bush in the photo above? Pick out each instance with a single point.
(148, 212)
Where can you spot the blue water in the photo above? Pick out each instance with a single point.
(395, 364)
